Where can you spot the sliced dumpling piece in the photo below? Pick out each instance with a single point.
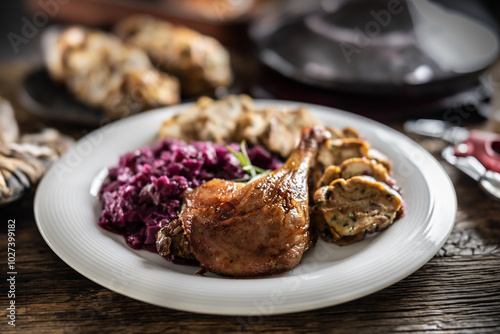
(363, 167)
(335, 151)
(346, 210)
(356, 167)
(344, 133)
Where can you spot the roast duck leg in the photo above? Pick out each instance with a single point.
(248, 229)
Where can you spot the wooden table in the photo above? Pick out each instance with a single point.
(457, 291)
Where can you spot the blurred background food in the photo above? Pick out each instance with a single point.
(385, 59)
(200, 62)
(25, 158)
(102, 71)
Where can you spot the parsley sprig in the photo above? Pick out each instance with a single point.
(253, 171)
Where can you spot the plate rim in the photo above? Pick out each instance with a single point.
(251, 309)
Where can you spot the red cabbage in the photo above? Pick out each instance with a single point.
(144, 191)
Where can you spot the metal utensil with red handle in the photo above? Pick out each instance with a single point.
(482, 145)
(475, 152)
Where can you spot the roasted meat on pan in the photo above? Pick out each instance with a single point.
(103, 72)
(252, 229)
(24, 159)
(200, 62)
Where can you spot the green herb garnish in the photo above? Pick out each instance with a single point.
(253, 171)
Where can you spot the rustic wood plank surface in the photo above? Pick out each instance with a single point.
(456, 291)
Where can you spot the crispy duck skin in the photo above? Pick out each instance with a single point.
(253, 229)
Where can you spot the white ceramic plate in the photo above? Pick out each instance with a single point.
(67, 215)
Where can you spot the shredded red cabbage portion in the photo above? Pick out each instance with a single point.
(144, 191)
